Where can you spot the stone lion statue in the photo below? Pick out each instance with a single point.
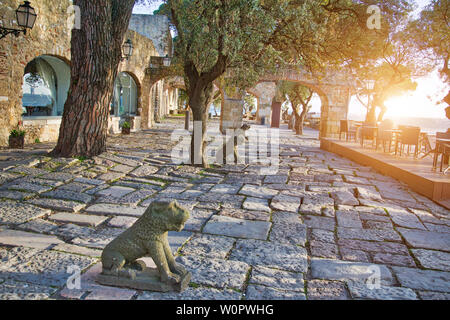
(148, 238)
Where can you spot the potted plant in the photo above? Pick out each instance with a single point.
(126, 128)
(16, 139)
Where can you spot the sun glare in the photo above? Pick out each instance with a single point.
(421, 103)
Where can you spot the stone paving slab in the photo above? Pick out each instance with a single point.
(115, 209)
(59, 176)
(423, 279)
(238, 228)
(430, 295)
(216, 273)
(326, 290)
(16, 290)
(58, 205)
(426, 240)
(122, 222)
(28, 187)
(210, 246)
(115, 191)
(15, 195)
(344, 198)
(369, 246)
(13, 213)
(133, 198)
(70, 248)
(68, 195)
(194, 293)
(258, 192)
(405, 219)
(348, 271)
(38, 226)
(361, 291)
(255, 292)
(289, 233)
(76, 187)
(48, 268)
(285, 203)
(283, 280)
(15, 255)
(79, 219)
(271, 255)
(317, 222)
(348, 219)
(256, 204)
(27, 239)
(97, 240)
(94, 182)
(226, 188)
(431, 259)
(245, 214)
(69, 231)
(197, 219)
(368, 234)
(393, 259)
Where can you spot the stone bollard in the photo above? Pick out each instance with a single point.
(187, 120)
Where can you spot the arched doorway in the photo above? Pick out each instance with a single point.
(45, 87)
(126, 94)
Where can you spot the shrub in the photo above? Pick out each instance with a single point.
(126, 125)
(17, 133)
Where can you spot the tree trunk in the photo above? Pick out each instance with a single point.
(371, 115)
(382, 113)
(96, 51)
(199, 99)
(291, 121)
(298, 128)
(299, 122)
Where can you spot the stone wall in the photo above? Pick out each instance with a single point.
(51, 36)
(156, 28)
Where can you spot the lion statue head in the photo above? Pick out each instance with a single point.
(165, 216)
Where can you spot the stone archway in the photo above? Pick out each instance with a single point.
(334, 92)
(45, 86)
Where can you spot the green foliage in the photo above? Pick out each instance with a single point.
(17, 133)
(430, 33)
(37, 140)
(126, 125)
(299, 95)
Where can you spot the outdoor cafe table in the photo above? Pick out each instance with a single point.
(439, 143)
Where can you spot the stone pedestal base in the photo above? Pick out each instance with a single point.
(147, 280)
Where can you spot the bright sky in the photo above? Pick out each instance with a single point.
(147, 9)
(414, 104)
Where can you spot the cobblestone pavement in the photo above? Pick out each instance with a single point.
(323, 227)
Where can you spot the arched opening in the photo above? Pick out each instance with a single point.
(126, 96)
(45, 87)
(319, 101)
(250, 106)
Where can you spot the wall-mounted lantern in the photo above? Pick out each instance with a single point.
(26, 17)
(167, 61)
(127, 50)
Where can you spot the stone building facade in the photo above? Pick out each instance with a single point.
(49, 42)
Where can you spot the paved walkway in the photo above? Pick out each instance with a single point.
(321, 228)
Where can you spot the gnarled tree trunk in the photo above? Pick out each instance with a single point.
(96, 52)
(200, 95)
(300, 120)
